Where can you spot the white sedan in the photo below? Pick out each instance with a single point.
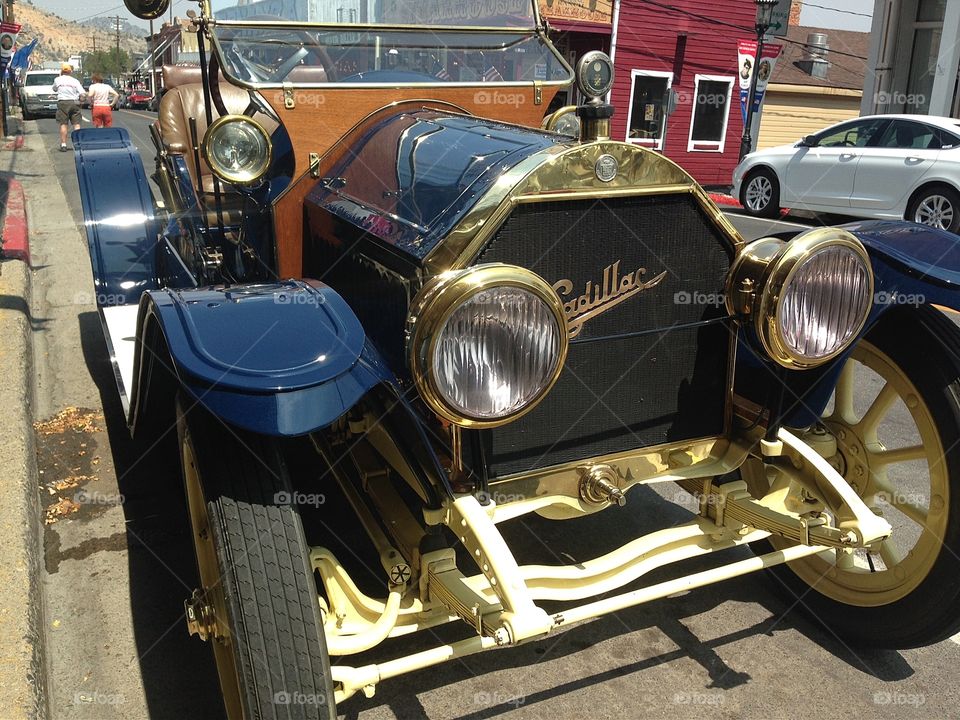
(884, 167)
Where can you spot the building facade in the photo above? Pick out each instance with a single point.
(914, 58)
(676, 88)
(578, 26)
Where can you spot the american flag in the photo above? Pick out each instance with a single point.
(492, 75)
(442, 74)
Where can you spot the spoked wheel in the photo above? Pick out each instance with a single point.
(896, 418)
(258, 602)
(938, 206)
(760, 194)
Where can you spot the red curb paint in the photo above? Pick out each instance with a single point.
(722, 199)
(15, 144)
(16, 237)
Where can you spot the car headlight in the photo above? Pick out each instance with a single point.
(237, 149)
(809, 298)
(486, 344)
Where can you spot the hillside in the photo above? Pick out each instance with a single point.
(62, 38)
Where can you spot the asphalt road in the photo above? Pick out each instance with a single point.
(119, 565)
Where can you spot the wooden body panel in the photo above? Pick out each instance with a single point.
(322, 116)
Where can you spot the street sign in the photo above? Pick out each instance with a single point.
(780, 23)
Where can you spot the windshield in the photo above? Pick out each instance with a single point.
(34, 80)
(467, 13)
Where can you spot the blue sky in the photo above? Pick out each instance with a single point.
(72, 10)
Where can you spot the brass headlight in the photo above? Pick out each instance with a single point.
(237, 149)
(486, 344)
(808, 298)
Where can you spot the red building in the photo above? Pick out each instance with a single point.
(688, 47)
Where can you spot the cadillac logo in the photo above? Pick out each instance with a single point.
(607, 168)
(598, 298)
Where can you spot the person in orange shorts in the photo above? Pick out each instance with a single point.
(103, 98)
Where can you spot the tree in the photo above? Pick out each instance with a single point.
(106, 62)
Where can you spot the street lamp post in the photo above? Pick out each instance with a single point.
(765, 10)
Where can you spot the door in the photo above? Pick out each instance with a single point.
(824, 175)
(891, 168)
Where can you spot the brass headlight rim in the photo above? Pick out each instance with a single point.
(245, 179)
(440, 298)
(781, 272)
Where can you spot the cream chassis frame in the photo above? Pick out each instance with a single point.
(499, 602)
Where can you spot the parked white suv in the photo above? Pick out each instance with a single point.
(36, 95)
(884, 167)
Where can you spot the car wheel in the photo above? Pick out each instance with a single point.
(258, 602)
(760, 194)
(901, 453)
(27, 115)
(937, 206)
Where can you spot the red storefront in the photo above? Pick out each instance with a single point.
(578, 26)
(676, 87)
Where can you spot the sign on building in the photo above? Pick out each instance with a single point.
(595, 11)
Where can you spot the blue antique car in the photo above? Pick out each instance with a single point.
(376, 274)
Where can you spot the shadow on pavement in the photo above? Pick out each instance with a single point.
(179, 677)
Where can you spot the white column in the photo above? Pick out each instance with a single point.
(880, 28)
(948, 62)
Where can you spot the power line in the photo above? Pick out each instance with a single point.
(837, 10)
(750, 30)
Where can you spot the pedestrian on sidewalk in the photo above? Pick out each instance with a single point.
(69, 91)
(103, 98)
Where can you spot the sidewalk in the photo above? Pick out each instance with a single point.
(22, 683)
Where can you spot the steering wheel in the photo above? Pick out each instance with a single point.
(310, 47)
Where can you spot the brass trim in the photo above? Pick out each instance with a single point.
(551, 120)
(566, 171)
(758, 278)
(438, 300)
(247, 178)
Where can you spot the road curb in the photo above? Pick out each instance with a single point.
(16, 234)
(22, 661)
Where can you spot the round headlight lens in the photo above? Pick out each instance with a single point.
(825, 302)
(237, 149)
(487, 345)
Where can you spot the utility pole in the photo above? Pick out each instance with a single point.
(8, 16)
(117, 21)
(153, 61)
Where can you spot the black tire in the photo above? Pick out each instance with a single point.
(926, 347)
(27, 115)
(932, 203)
(276, 654)
(768, 203)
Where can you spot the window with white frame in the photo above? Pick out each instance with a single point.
(710, 114)
(649, 99)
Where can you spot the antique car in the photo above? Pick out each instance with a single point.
(375, 290)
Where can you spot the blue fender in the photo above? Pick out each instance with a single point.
(282, 359)
(912, 264)
(118, 214)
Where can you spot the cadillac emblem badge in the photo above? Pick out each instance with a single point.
(607, 168)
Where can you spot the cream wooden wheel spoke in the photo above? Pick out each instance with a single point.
(890, 553)
(843, 404)
(884, 458)
(878, 410)
(913, 511)
(845, 560)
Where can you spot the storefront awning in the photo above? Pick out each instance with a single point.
(581, 27)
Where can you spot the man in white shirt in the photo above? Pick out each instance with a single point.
(69, 91)
(102, 98)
